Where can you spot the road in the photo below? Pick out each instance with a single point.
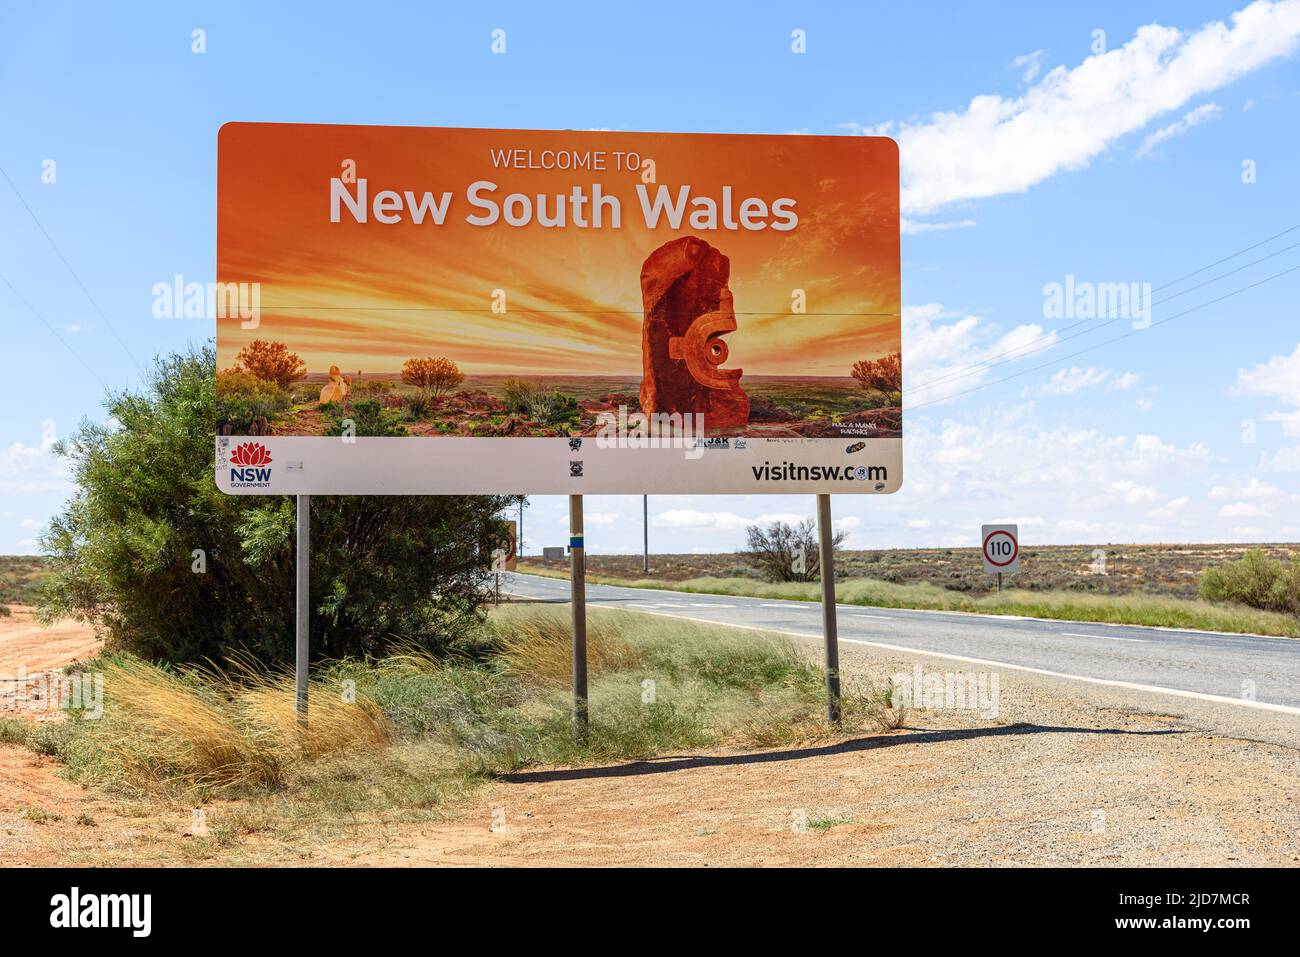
(1242, 670)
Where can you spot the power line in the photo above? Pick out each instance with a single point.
(1133, 332)
(4, 279)
(67, 265)
(1054, 338)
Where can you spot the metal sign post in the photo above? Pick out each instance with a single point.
(302, 611)
(645, 525)
(578, 584)
(830, 631)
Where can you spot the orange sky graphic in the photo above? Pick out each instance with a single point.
(369, 296)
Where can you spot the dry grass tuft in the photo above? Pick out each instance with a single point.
(537, 645)
(224, 729)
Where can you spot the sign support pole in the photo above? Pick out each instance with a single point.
(578, 584)
(302, 610)
(999, 583)
(645, 525)
(830, 629)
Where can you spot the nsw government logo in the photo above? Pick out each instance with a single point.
(250, 466)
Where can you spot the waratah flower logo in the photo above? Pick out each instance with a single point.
(250, 453)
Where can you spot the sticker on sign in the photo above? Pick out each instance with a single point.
(1001, 547)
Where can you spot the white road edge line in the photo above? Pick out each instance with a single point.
(1110, 683)
(1075, 634)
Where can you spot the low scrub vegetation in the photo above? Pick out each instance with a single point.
(413, 729)
(1257, 581)
(1131, 609)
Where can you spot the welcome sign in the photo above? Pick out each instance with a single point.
(461, 310)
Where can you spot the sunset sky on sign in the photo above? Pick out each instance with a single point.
(370, 295)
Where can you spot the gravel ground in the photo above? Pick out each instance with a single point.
(1067, 774)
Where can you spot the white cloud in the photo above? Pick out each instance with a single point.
(912, 227)
(945, 350)
(1072, 380)
(691, 518)
(1253, 489)
(26, 469)
(1131, 493)
(1206, 111)
(1242, 510)
(687, 518)
(999, 145)
(1286, 459)
(1171, 508)
(1277, 379)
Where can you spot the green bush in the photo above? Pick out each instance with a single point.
(529, 397)
(242, 397)
(1257, 581)
(165, 565)
(367, 417)
(519, 393)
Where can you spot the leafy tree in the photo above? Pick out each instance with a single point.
(272, 361)
(1255, 580)
(881, 375)
(165, 565)
(788, 553)
(432, 375)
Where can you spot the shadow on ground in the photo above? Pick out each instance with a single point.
(670, 763)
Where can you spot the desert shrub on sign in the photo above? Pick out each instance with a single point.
(529, 397)
(385, 569)
(271, 361)
(243, 398)
(880, 375)
(433, 375)
(519, 393)
(1256, 580)
(366, 417)
(372, 388)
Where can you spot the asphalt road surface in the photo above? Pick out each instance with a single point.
(1240, 670)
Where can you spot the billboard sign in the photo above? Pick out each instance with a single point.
(512, 311)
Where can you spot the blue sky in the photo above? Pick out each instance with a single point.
(1032, 150)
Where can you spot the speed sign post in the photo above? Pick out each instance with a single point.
(1000, 545)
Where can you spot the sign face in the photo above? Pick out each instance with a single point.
(506, 557)
(1001, 547)
(426, 311)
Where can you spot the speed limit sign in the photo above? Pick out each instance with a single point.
(1001, 548)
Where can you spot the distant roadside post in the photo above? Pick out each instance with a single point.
(505, 557)
(418, 255)
(1000, 545)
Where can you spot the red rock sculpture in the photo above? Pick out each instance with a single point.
(688, 308)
